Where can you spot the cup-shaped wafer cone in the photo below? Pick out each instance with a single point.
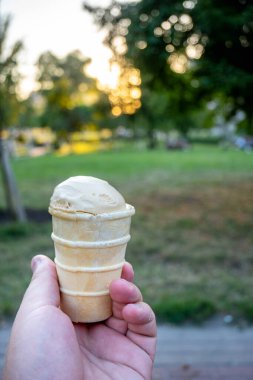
(89, 254)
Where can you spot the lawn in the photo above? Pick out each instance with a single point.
(192, 241)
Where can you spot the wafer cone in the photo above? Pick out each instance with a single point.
(89, 254)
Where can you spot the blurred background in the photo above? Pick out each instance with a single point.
(156, 98)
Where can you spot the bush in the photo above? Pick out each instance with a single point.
(182, 310)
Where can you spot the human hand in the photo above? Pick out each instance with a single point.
(46, 345)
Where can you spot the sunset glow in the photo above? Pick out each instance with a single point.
(106, 73)
(60, 27)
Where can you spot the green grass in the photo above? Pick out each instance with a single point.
(192, 241)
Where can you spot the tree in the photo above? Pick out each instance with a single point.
(226, 65)
(192, 50)
(164, 93)
(9, 107)
(66, 91)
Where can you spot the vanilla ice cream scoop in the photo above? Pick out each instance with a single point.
(87, 195)
(91, 225)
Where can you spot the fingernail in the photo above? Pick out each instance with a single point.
(138, 305)
(36, 260)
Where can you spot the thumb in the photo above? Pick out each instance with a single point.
(43, 289)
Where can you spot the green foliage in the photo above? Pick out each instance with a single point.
(9, 77)
(29, 114)
(10, 231)
(164, 93)
(213, 40)
(65, 89)
(226, 65)
(59, 80)
(68, 71)
(177, 311)
(245, 308)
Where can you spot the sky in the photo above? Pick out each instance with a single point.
(60, 26)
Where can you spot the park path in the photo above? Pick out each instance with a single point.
(212, 352)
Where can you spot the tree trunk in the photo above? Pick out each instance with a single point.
(250, 123)
(151, 136)
(9, 184)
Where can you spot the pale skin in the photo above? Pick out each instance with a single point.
(46, 345)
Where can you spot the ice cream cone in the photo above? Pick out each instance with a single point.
(89, 254)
